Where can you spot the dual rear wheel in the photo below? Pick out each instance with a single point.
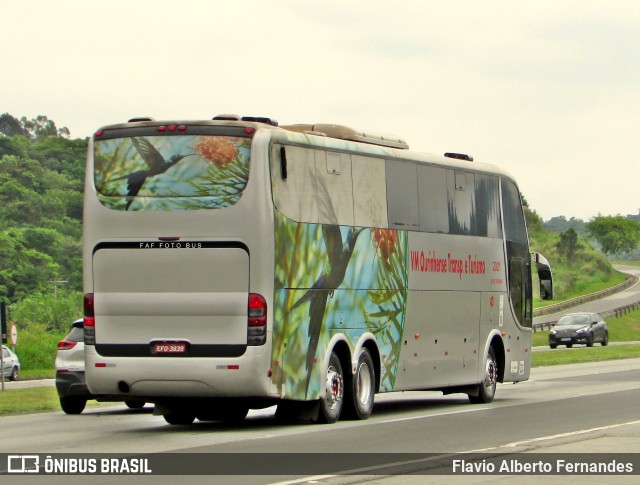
(349, 396)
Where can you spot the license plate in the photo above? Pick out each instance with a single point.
(565, 340)
(169, 347)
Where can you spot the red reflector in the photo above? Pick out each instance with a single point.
(66, 345)
(99, 133)
(233, 367)
(101, 364)
(172, 127)
(162, 128)
(248, 130)
(182, 128)
(61, 371)
(89, 322)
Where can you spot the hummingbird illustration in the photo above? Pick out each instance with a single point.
(338, 253)
(154, 160)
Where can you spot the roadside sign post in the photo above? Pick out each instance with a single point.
(3, 340)
(3, 321)
(2, 367)
(14, 336)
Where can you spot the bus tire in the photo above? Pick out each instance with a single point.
(361, 388)
(332, 399)
(179, 417)
(486, 389)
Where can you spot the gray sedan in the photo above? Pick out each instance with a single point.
(579, 328)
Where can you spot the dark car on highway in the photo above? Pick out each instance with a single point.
(579, 328)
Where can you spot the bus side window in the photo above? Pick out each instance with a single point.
(520, 291)
(461, 195)
(402, 195)
(433, 198)
(516, 286)
(295, 195)
(517, 245)
(369, 191)
(334, 192)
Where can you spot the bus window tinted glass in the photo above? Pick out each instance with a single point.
(402, 195)
(432, 186)
(487, 207)
(171, 172)
(519, 260)
(514, 225)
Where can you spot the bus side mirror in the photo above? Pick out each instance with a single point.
(544, 275)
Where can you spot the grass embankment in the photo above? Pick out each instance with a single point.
(29, 400)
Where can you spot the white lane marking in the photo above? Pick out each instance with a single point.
(516, 444)
(411, 418)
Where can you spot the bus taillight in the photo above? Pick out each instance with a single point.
(89, 320)
(257, 320)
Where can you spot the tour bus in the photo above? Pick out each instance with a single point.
(233, 264)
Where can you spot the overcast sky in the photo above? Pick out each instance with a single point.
(547, 89)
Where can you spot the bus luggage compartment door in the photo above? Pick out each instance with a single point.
(186, 295)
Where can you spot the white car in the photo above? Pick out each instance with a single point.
(11, 364)
(70, 382)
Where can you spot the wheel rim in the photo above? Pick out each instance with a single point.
(334, 387)
(363, 384)
(490, 376)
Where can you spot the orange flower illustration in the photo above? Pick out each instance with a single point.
(385, 241)
(217, 149)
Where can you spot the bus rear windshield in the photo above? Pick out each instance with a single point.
(178, 172)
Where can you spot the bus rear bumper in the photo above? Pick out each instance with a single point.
(178, 377)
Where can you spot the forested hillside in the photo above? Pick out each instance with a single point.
(41, 184)
(578, 266)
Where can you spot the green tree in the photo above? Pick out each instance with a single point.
(615, 234)
(43, 127)
(568, 244)
(534, 221)
(23, 270)
(11, 126)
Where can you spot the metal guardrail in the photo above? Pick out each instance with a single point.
(565, 305)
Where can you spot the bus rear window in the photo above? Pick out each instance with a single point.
(171, 172)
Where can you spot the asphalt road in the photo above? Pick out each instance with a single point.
(580, 408)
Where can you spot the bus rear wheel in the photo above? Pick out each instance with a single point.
(333, 397)
(361, 389)
(486, 390)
